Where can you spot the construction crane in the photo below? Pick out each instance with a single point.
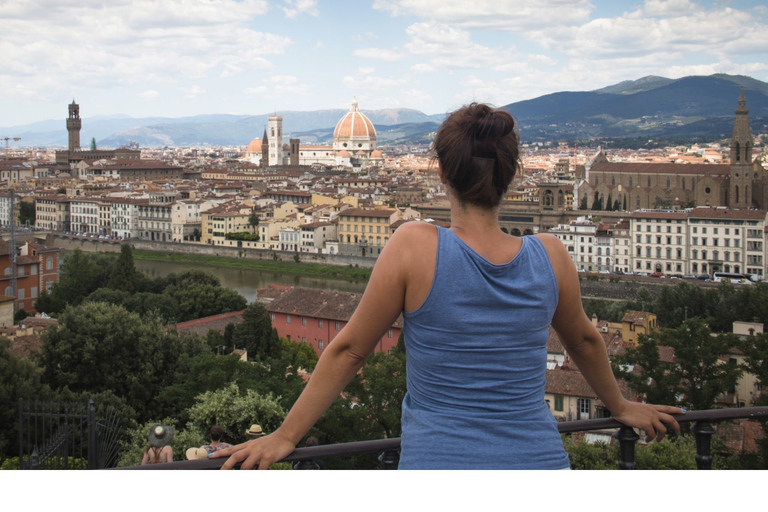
(6, 139)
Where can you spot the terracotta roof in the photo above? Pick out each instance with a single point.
(561, 381)
(201, 326)
(316, 303)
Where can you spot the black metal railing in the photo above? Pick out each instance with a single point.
(627, 437)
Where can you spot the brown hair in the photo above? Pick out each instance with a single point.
(477, 147)
(217, 433)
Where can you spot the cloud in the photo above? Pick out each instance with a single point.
(296, 7)
(97, 45)
(192, 92)
(366, 80)
(150, 95)
(390, 55)
(280, 86)
(502, 15)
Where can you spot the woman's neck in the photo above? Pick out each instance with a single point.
(472, 219)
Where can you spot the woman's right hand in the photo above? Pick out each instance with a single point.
(257, 453)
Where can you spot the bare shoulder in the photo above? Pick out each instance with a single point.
(553, 245)
(415, 236)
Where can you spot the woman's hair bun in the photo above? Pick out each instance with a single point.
(477, 147)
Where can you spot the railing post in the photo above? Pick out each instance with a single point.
(92, 456)
(34, 460)
(627, 438)
(306, 464)
(389, 459)
(703, 431)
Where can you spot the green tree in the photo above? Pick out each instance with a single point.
(198, 294)
(596, 201)
(256, 334)
(93, 143)
(609, 203)
(235, 410)
(102, 347)
(253, 220)
(27, 213)
(583, 203)
(19, 378)
(617, 205)
(80, 276)
(124, 275)
(696, 377)
(624, 207)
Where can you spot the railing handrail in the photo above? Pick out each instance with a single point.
(382, 445)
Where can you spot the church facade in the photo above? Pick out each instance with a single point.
(742, 183)
(354, 145)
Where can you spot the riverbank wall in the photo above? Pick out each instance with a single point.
(98, 245)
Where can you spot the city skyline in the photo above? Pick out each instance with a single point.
(181, 58)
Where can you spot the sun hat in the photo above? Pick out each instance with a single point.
(160, 435)
(197, 453)
(255, 430)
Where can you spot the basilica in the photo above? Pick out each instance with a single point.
(741, 183)
(354, 145)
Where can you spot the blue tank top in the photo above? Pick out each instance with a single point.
(476, 362)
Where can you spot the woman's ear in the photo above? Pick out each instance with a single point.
(441, 172)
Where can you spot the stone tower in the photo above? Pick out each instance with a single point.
(740, 189)
(73, 126)
(275, 140)
(265, 150)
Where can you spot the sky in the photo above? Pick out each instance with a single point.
(175, 58)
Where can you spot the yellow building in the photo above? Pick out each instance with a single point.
(635, 323)
(365, 232)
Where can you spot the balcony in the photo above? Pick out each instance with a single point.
(388, 448)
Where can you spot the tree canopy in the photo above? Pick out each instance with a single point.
(700, 372)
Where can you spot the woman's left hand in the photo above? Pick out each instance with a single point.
(257, 453)
(653, 419)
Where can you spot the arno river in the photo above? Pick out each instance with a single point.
(246, 282)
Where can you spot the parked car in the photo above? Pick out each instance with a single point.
(689, 276)
(657, 274)
(642, 274)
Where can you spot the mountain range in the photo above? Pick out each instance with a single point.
(650, 107)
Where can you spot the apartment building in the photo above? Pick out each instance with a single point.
(365, 232)
(52, 212)
(84, 215)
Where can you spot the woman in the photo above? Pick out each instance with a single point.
(477, 304)
(159, 449)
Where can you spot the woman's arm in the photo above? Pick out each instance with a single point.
(168, 453)
(145, 458)
(379, 307)
(587, 349)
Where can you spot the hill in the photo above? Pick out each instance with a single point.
(650, 107)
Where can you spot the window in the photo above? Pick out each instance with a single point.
(583, 405)
(337, 326)
(319, 344)
(320, 323)
(303, 321)
(558, 403)
(389, 333)
(33, 292)
(287, 319)
(22, 295)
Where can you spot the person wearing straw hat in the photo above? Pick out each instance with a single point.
(159, 449)
(254, 432)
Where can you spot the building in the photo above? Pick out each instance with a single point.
(37, 269)
(317, 316)
(74, 154)
(354, 145)
(741, 183)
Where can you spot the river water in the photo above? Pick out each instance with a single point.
(246, 281)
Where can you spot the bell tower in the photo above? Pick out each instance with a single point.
(73, 126)
(740, 187)
(275, 140)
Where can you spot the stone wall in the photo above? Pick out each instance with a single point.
(97, 245)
